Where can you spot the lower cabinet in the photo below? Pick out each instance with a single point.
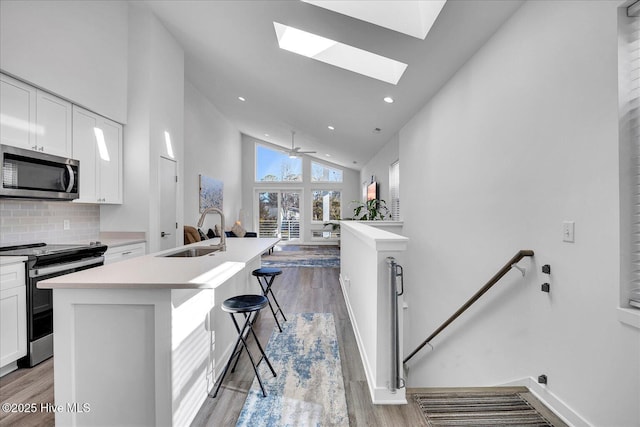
(120, 253)
(13, 316)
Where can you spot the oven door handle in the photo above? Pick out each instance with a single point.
(39, 272)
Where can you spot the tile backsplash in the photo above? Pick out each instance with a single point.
(32, 221)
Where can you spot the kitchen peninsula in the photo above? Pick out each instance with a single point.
(139, 342)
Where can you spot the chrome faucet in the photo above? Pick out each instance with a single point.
(223, 238)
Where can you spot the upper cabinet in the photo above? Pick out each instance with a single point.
(97, 144)
(33, 119)
(17, 113)
(53, 125)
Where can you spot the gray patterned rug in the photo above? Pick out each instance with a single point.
(308, 389)
(479, 409)
(303, 256)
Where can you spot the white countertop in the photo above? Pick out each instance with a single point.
(157, 272)
(6, 260)
(114, 239)
(114, 243)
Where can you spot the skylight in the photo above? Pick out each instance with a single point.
(411, 17)
(339, 54)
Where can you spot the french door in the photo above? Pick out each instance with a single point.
(279, 214)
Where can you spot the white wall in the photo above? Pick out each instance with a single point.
(213, 148)
(523, 137)
(349, 188)
(75, 49)
(156, 105)
(379, 167)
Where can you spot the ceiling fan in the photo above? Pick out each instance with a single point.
(295, 151)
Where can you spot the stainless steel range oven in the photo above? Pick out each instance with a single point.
(44, 262)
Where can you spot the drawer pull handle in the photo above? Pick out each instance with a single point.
(126, 253)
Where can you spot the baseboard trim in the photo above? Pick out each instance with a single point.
(553, 402)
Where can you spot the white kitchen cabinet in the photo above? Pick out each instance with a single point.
(100, 164)
(34, 119)
(13, 316)
(120, 253)
(17, 113)
(53, 125)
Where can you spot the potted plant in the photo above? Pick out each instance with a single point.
(371, 210)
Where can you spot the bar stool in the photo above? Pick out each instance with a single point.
(249, 306)
(268, 275)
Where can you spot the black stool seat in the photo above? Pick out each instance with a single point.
(266, 276)
(266, 271)
(249, 306)
(245, 303)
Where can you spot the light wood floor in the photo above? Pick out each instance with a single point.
(33, 385)
(299, 290)
(305, 290)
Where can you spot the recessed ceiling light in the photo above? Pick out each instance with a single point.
(241, 98)
(331, 127)
(266, 134)
(388, 100)
(328, 155)
(339, 54)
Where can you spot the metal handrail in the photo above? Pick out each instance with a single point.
(504, 270)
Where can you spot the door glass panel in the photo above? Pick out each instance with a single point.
(279, 214)
(289, 215)
(268, 214)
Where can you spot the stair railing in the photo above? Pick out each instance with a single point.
(512, 263)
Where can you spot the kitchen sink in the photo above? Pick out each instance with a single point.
(192, 252)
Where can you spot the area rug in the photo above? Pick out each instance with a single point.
(478, 409)
(303, 256)
(308, 389)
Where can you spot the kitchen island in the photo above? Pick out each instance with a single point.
(140, 342)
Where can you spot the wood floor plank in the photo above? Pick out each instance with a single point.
(28, 386)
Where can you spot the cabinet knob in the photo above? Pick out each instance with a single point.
(41, 148)
(35, 147)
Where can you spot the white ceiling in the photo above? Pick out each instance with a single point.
(231, 50)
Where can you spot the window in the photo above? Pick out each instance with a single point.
(323, 173)
(279, 214)
(629, 81)
(276, 166)
(325, 205)
(394, 190)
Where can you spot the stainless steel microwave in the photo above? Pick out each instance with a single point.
(35, 175)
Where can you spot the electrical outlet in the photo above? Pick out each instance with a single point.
(568, 231)
(66, 224)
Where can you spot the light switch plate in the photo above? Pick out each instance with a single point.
(66, 224)
(568, 231)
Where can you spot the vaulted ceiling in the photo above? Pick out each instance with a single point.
(231, 51)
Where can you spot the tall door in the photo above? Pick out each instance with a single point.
(168, 189)
(279, 214)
